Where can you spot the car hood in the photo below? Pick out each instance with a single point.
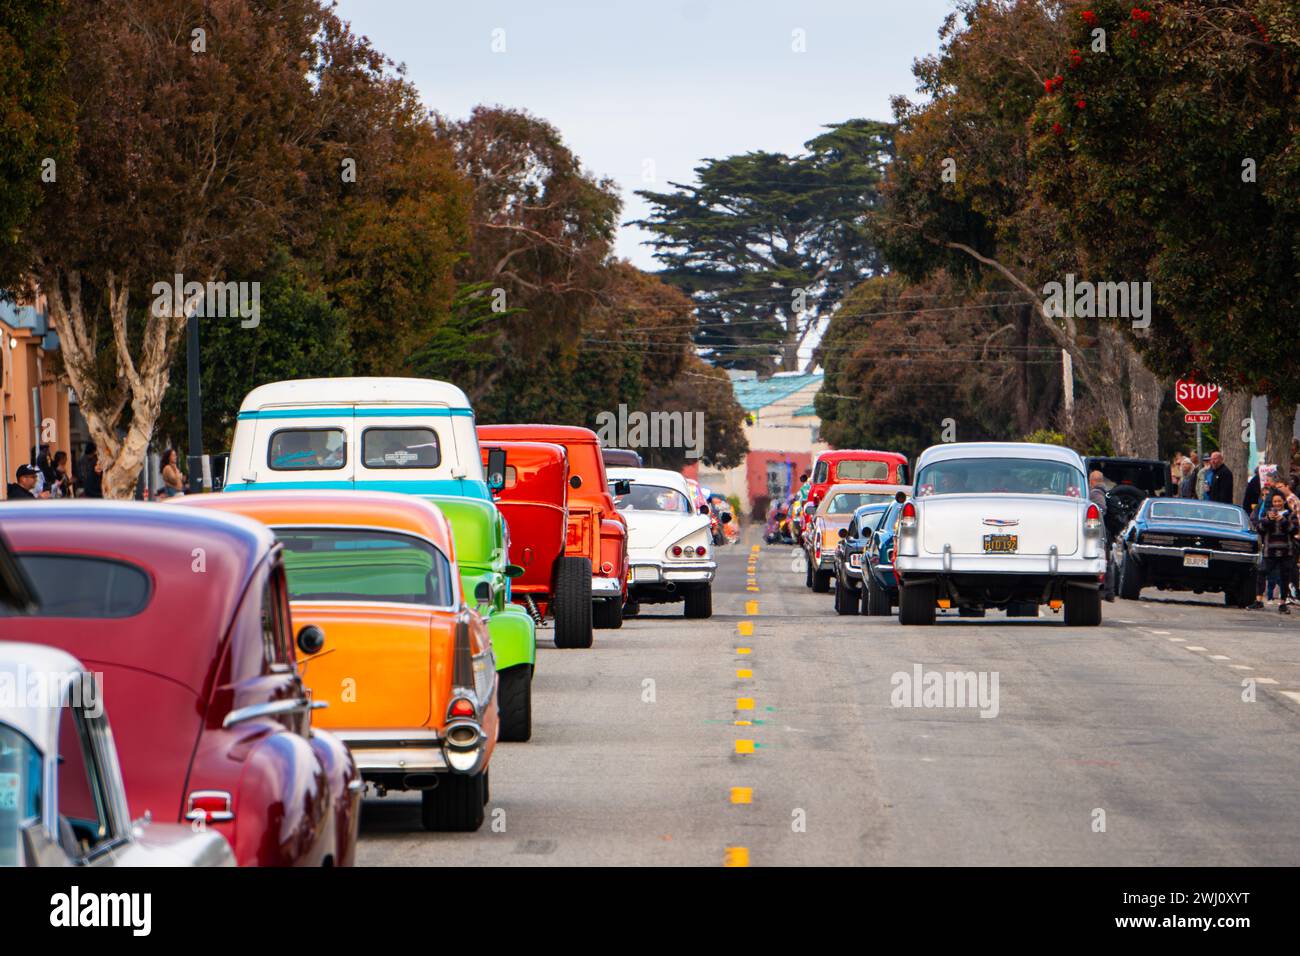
(659, 529)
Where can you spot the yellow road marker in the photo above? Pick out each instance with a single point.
(743, 650)
(744, 703)
(736, 856)
(751, 588)
(754, 549)
(742, 794)
(744, 746)
(745, 628)
(743, 723)
(744, 672)
(751, 607)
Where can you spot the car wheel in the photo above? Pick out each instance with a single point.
(1082, 607)
(572, 602)
(847, 600)
(877, 599)
(699, 602)
(821, 583)
(1241, 593)
(455, 805)
(808, 571)
(1129, 586)
(608, 615)
(515, 703)
(916, 603)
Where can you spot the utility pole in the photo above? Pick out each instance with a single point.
(194, 399)
(1067, 388)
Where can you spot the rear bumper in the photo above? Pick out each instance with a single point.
(602, 587)
(909, 566)
(395, 751)
(1163, 551)
(659, 572)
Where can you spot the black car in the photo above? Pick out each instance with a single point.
(1182, 544)
(850, 557)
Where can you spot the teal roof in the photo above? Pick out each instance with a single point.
(754, 394)
(806, 410)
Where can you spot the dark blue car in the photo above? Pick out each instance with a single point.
(1182, 544)
(879, 584)
(850, 556)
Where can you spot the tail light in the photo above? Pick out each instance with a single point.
(677, 551)
(210, 806)
(607, 568)
(573, 536)
(461, 707)
(1092, 520)
(699, 552)
(908, 519)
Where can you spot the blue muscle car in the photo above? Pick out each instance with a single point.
(1182, 544)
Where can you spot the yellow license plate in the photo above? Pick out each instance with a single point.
(1001, 543)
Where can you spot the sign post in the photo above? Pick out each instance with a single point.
(1196, 400)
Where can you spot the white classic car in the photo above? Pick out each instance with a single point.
(62, 802)
(1001, 525)
(669, 544)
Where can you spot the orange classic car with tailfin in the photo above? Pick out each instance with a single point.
(387, 640)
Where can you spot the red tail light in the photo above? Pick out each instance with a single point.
(1093, 513)
(574, 535)
(908, 517)
(699, 552)
(462, 708)
(1092, 520)
(210, 806)
(677, 551)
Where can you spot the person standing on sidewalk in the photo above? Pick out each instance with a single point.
(1277, 528)
(1218, 481)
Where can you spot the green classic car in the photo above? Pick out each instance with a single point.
(482, 555)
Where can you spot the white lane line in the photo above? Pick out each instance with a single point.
(1161, 633)
(1241, 667)
(1294, 695)
(1194, 647)
(1220, 657)
(1178, 640)
(1265, 680)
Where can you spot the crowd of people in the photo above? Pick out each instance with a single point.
(1272, 507)
(47, 476)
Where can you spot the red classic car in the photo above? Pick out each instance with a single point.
(534, 502)
(186, 615)
(594, 531)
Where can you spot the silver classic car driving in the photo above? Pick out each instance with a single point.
(62, 801)
(1000, 525)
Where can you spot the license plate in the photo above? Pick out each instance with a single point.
(1001, 543)
(1196, 560)
(645, 574)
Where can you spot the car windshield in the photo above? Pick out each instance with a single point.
(1012, 476)
(643, 497)
(862, 471)
(1198, 511)
(20, 791)
(333, 564)
(849, 502)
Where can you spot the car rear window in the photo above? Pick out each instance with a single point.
(341, 564)
(862, 471)
(70, 585)
(400, 448)
(307, 449)
(1199, 511)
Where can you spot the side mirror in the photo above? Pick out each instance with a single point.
(496, 469)
(311, 639)
(514, 571)
(575, 482)
(623, 486)
(482, 593)
(844, 533)
(900, 496)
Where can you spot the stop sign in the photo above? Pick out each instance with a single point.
(1194, 396)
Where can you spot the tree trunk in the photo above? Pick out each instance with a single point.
(1145, 393)
(1234, 434)
(1281, 427)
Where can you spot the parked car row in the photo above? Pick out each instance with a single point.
(1012, 526)
(357, 610)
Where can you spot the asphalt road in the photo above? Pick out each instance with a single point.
(769, 735)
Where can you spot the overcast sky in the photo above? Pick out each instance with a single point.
(648, 89)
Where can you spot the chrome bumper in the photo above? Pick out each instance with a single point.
(1168, 551)
(646, 572)
(401, 751)
(1038, 564)
(606, 587)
